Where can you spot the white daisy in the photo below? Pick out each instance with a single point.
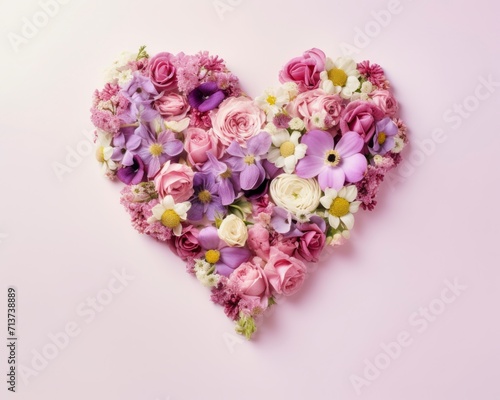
(286, 150)
(272, 101)
(399, 144)
(340, 77)
(296, 124)
(170, 214)
(104, 152)
(340, 206)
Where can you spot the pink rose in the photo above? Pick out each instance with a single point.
(172, 106)
(200, 142)
(311, 243)
(186, 246)
(162, 72)
(384, 100)
(258, 241)
(250, 282)
(312, 102)
(237, 119)
(361, 116)
(285, 274)
(305, 70)
(175, 180)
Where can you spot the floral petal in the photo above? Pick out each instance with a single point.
(348, 220)
(259, 144)
(350, 143)
(354, 167)
(318, 142)
(209, 239)
(234, 256)
(310, 166)
(331, 177)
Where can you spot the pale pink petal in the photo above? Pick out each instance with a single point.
(331, 177)
(354, 167)
(350, 143)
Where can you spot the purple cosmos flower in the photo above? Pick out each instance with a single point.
(133, 174)
(248, 161)
(140, 89)
(206, 200)
(333, 165)
(206, 97)
(156, 150)
(126, 145)
(229, 180)
(226, 259)
(383, 140)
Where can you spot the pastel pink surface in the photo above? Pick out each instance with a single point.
(159, 338)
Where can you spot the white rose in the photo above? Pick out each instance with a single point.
(233, 231)
(297, 195)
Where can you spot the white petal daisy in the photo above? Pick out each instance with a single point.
(104, 152)
(340, 77)
(272, 101)
(286, 150)
(340, 206)
(170, 214)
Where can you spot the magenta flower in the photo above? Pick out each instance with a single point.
(333, 165)
(206, 97)
(226, 259)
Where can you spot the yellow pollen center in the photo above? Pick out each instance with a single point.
(212, 256)
(271, 100)
(170, 219)
(287, 149)
(226, 174)
(99, 154)
(204, 196)
(332, 158)
(156, 149)
(337, 76)
(339, 207)
(249, 160)
(381, 138)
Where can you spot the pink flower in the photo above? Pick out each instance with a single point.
(237, 120)
(251, 283)
(384, 100)
(311, 243)
(305, 70)
(162, 72)
(186, 245)
(258, 241)
(361, 116)
(175, 180)
(172, 106)
(200, 142)
(285, 274)
(312, 102)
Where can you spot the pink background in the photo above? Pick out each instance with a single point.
(161, 338)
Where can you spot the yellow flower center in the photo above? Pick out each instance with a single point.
(170, 219)
(271, 100)
(156, 149)
(287, 149)
(339, 207)
(226, 174)
(332, 158)
(212, 256)
(337, 76)
(381, 138)
(249, 160)
(99, 154)
(204, 196)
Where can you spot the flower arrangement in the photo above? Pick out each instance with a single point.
(246, 191)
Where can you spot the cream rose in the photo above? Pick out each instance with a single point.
(297, 195)
(233, 231)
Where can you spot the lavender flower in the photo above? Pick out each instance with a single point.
(229, 180)
(206, 200)
(206, 97)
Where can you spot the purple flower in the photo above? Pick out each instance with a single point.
(125, 145)
(281, 220)
(157, 150)
(206, 97)
(333, 165)
(140, 89)
(248, 161)
(229, 180)
(226, 259)
(383, 140)
(133, 174)
(206, 200)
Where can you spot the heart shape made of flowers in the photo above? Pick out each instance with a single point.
(248, 192)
